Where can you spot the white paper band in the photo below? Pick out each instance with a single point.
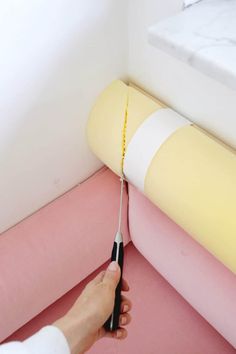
(148, 138)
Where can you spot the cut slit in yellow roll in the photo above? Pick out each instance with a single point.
(191, 177)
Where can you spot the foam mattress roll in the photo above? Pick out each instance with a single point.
(200, 278)
(182, 169)
(51, 251)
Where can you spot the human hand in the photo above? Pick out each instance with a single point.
(83, 324)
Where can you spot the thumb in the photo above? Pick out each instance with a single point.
(112, 275)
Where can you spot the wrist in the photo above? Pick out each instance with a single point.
(73, 332)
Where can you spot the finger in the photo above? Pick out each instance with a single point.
(101, 333)
(120, 333)
(97, 279)
(125, 285)
(124, 319)
(112, 275)
(126, 304)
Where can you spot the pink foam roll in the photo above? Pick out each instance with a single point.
(162, 321)
(51, 251)
(199, 277)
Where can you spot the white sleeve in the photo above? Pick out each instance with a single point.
(49, 340)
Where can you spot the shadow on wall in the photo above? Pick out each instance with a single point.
(57, 57)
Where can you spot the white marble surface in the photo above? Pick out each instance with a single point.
(188, 3)
(204, 36)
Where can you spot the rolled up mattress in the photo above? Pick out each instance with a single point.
(199, 277)
(182, 169)
(48, 253)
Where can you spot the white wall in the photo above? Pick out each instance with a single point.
(56, 56)
(202, 99)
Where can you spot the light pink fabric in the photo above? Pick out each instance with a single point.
(50, 252)
(162, 321)
(199, 277)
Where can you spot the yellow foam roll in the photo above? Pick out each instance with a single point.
(106, 123)
(192, 176)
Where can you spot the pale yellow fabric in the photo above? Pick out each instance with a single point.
(192, 177)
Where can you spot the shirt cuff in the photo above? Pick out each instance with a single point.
(49, 340)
